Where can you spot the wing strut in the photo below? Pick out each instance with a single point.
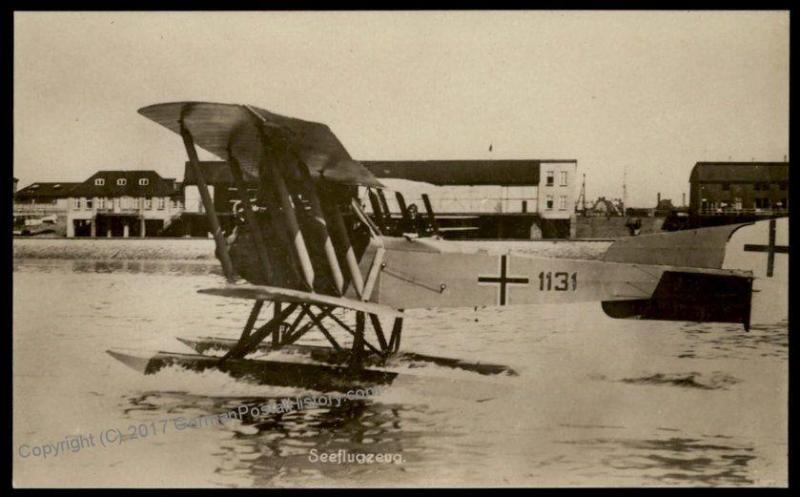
(431, 215)
(342, 240)
(301, 251)
(406, 221)
(252, 222)
(377, 210)
(385, 205)
(208, 203)
(319, 216)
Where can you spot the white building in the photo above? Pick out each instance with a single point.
(123, 204)
(542, 189)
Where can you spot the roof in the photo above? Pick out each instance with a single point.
(242, 130)
(46, 190)
(732, 172)
(156, 185)
(463, 172)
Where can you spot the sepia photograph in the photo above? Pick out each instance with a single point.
(400, 249)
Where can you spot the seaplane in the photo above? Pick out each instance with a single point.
(304, 245)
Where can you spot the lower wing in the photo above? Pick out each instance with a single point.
(260, 292)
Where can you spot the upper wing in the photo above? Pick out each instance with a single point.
(260, 292)
(216, 127)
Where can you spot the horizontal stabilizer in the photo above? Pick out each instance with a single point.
(691, 296)
(259, 292)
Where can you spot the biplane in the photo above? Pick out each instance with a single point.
(303, 244)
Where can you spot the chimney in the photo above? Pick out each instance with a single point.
(658, 198)
(683, 199)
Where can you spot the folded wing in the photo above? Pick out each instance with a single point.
(220, 128)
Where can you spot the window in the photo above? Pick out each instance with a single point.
(563, 181)
(99, 181)
(144, 181)
(726, 186)
(89, 203)
(101, 203)
(562, 203)
(549, 205)
(122, 182)
(550, 178)
(76, 203)
(783, 185)
(161, 203)
(148, 203)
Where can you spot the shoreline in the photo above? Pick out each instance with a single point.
(175, 249)
(202, 249)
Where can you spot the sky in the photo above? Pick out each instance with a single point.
(640, 96)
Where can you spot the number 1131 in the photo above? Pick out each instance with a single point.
(560, 281)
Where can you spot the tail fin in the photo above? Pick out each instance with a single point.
(702, 247)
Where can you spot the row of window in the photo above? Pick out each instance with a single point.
(562, 203)
(121, 181)
(550, 178)
(145, 203)
(761, 186)
(737, 204)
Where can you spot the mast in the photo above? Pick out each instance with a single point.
(624, 189)
(582, 196)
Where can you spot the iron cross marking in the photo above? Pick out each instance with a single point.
(503, 280)
(771, 249)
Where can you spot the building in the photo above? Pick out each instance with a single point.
(42, 202)
(122, 204)
(733, 192)
(40, 199)
(511, 198)
(739, 188)
(664, 206)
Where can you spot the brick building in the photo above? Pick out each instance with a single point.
(723, 188)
